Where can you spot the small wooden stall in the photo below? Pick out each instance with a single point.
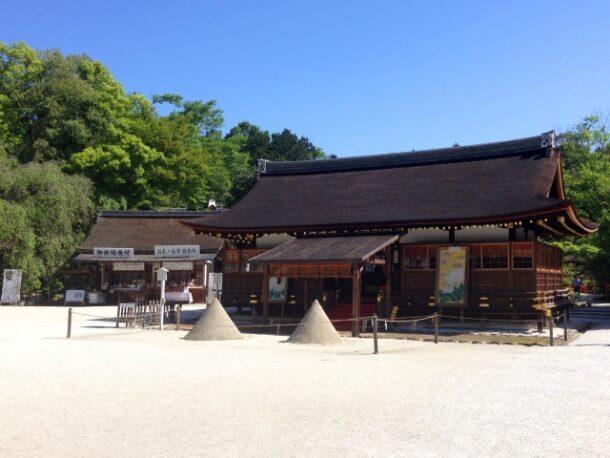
(322, 258)
(127, 247)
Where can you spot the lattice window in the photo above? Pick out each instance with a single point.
(416, 257)
(523, 255)
(494, 256)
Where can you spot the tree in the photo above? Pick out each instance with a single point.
(44, 215)
(586, 162)
(54, 106)
(259, 144)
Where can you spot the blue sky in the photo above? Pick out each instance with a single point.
(354, 77)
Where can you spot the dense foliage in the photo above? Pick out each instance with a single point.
(586, 164)
(44, 214)
(72, 139)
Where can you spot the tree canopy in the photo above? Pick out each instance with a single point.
(72, 140)
(586, 162)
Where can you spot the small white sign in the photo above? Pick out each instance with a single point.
(176, 251)
(113, 253)
(178, 265)
(75, 296)
(128, 265)
(162, 274)
(11, 286)
(214, 286)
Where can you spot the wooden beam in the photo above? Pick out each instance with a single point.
(356, 277)
(305, 298)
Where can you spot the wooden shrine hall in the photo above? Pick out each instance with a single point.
(464, 227)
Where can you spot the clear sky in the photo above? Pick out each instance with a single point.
(354, 77)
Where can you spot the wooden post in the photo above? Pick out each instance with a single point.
(305, 298)
(355, 300)
(435, 327)
(118, 311)
(565, 325)
(551, 330)
(388, 279)
(69, 323)
(375, 325)
(178, 316)
(265, 293)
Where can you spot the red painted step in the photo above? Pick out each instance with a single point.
(343, 311)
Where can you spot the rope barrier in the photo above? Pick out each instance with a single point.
(412, 320)
(484, 319)
(113, 317)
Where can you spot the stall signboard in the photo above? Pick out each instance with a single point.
(174, 265)
(129, 265)
(74, 296)
(113, 253)
(11, 286)
(176, 251)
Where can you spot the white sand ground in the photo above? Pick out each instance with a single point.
(109, 392)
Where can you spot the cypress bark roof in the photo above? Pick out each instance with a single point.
(143, 230)
(327, 249)
(489, 183)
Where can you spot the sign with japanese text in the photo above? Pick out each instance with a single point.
(172, 265)
(176, 251)
(113, 253)
(129, 265)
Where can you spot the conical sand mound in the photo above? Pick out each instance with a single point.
(214, 324)
(315, 328)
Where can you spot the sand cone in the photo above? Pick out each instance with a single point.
(315, 328)
(214, 324)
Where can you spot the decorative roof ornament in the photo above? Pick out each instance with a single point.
(262, 166)
(547, 139)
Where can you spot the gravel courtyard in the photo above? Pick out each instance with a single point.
(122, 392)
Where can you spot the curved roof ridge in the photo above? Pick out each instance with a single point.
(412, 158)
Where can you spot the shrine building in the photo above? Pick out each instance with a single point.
(465, 227)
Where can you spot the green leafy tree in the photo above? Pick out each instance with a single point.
(259, 144)
(586, 162)
(54, 106)
(44, 215)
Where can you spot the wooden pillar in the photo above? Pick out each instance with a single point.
(305, 298)
(388, 280)
(265, 293)
(512, 234)
(356, 277)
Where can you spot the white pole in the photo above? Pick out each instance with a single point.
(205, 282)
(162, 303)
